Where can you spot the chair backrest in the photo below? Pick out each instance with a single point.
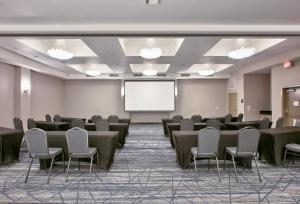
(57, 118)
(248, 140)
(113, 119)
(228, 118)
(264, 123)
(297, 123)
(240, 117)
(78, 123)
(31, 123)
(102, 125)
(213, 123)
(37, 142)
(48, 117)
(177, 118)
(18, 123)
(78, 140)
(96, 118)
(279, 122)
(186, 125)
(196, 118)
(208, 140)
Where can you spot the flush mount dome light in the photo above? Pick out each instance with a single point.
(151, 53)
(208, 72)
(93, 73)
(149, 72)
(60, 54)
(242, 53)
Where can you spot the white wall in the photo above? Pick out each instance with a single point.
(84, 98)
(47, 96)
(7, 94)
(282, 78)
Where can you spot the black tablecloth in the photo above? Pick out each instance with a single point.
(185, 140)
(104, 141)
(122, 128)
(70, 119)
(240, 125)
(52, 126)
(273, 141)
(165, 121)
(10, 143)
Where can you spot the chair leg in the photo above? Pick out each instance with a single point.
(218, 168)
(224, 161)
(91, 164)
(257, 169)
(79, 164)
(28, 170)
(234, 168)
(284, 157)
(50, 170)
(63, 157)
(195, 164)
(208, 164)
(68, 168)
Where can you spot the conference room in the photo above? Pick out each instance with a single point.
(149, 111)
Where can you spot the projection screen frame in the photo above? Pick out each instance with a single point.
(149, 111)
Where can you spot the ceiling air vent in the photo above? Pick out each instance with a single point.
(185, 75)
(137, 74)
(161, 74)
(113, 75)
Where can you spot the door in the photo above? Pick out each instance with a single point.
(232, 104)
(291, 105)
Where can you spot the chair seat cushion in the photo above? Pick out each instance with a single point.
(293, 147)
(54, 151)
(194, 151)
(233, 151)
(92, 151)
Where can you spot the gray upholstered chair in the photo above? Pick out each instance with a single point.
(31, 123)
(196, 118)
(186, 125)
(48, 117)
(297, 123)
(240, 117)
(247, 146)
(279, 122)
(228, 118)
(102, 125)
(78, 123)
(214, 123)
(293, 149)
(96, 118)
(208, 143)
(78, 146)
(177, 118)
(38, 149)
(113, 119)
(264, 124)
(18, 123)
(57, 118)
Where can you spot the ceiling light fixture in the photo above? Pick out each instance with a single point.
(207, 72)
(93, 73)
(242, 53)
(61, 54)
(151, 53)
(150, 72)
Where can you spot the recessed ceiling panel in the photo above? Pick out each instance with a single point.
(76, 46)
(139, 68)
(133, 46)
(226, 45)
(83, 68)
(200, 67)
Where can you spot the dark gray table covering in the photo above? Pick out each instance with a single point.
(70, 119)
(240, 125)
(52, 126)
(10, 143)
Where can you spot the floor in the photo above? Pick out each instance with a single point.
(145, 171)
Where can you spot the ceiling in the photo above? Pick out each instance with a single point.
(109, 56)
(135, 15)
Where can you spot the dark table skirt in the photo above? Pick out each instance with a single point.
(240, 125)
(105, 142)
(52, 126)
(165, 121)
(70, 119)
(10, 143)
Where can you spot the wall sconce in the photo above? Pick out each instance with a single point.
(26, 86)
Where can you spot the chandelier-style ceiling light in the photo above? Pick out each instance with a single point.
(151, 51)
(150, 72)
(206, 72)
(242, 53)
(93, 73)
(59, 52)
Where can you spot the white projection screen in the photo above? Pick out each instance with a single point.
(149, 96)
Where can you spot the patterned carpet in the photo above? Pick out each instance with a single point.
(145, 171)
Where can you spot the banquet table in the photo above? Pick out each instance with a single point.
(176, 127)
(273, 141)
(70, 119)
(52, 126)
(165, 121)
(240, 125)
(105, 142)
(10, 143)
(122, 128)
(185, 140)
